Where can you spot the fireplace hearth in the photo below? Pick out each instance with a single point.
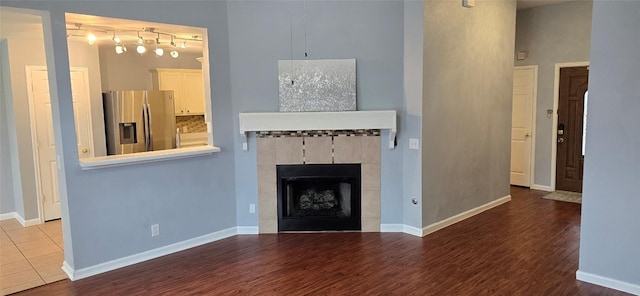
(316, 197)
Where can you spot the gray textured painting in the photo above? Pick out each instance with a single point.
(317, 85)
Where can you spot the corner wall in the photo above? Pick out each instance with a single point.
(466, 115)
(7, 204)
(558, 33)
(609, 237)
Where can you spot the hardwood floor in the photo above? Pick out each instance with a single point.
(526, 247)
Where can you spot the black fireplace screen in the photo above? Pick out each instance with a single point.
(318, 197)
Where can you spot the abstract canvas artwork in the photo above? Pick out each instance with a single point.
(317, 85)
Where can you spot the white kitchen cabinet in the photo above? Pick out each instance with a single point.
(187, 87)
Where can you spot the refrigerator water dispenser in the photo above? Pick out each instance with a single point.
(128, 133)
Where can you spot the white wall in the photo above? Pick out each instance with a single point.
(551, 34)
(466, 117)
(131, 71)
(610, 231)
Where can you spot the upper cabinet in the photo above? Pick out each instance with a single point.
(187, 87)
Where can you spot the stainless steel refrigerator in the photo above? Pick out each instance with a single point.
(139, 121)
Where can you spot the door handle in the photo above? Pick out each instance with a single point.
(527, 135)
(85, 150)
(560, 140)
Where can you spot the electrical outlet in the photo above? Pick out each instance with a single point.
(252, 208)
(155, 229)
(414, 144)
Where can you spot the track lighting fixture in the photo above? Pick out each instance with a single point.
(184, 44)
(174, 54)
(91, 38)
(120, 49)
(159, 51)
(115, 38)
(140, 40)
(141, 49)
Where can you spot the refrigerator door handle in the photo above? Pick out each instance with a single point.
(145, 126)
(150, 133)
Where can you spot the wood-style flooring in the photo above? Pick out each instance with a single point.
(528, 246)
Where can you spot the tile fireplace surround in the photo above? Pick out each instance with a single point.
(318, 147)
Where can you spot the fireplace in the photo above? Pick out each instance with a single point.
(313, 197)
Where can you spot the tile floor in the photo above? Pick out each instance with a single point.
(29, 256)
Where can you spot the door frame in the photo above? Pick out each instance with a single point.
(554, 125)
(534, 111)
(32, 123)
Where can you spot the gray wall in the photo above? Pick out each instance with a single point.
(131, 71)
(81, 54)
(609, 238)
(24, 52)
(369, 31)
(468, 79)
(412, 123)
(551, 34)
(109, 211)
(7, 204)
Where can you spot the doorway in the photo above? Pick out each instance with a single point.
(46, 163)
(570, 134)
(525, 84)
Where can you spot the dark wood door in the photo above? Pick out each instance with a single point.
(571, 103)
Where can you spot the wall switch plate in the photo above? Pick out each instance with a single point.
(155, 230)
(252, 208)
(414, 144)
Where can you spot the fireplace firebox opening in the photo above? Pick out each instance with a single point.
(316, 197)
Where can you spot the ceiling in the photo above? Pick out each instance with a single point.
(104, 28)
(16, 24)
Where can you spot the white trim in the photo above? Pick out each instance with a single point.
(554, 125)
(391, 227)
(534, 112)
(541, 187)
(147, 255)
(299, 121)
(608, 282)
(8, 216)
(34, 136)
(247, 229)
(145, 157)
(464, 215)
(413, 230)
(67, 269)
(27, 223)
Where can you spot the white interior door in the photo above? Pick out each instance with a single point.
(524, 84)
(44, 140)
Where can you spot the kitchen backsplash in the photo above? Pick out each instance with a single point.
(191, 124)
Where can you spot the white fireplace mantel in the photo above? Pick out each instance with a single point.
(303, 121)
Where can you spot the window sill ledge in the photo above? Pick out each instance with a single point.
(145, 157)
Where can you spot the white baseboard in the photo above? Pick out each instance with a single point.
(391, 227)
(26, 223)
(67, 269)
(7, 216)
(464, 215)
(608, 282)
(541, 187)
(147, 255)
(247, 229)
(401, 228)
(412, 230)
